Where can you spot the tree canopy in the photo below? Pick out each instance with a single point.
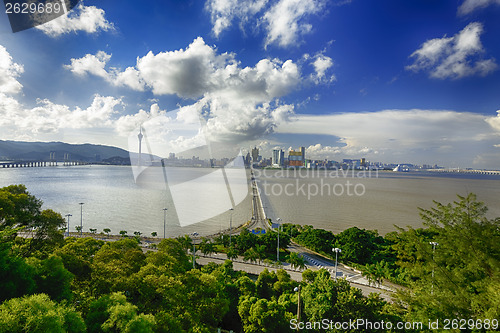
(456, 279)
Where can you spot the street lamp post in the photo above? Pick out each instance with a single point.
(297, 289)
(434, 244)
(81, 218)
(278, 248)
(68, 215)
(230, 225)
(194, 234)
(336, 250)
(164, 221)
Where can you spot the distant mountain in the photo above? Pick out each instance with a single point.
(18, 150)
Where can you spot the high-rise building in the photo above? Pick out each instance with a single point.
(297, 158)
(278, 158)
(255, 154)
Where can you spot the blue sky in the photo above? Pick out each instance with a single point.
(391, 81)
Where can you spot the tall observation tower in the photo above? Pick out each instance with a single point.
(140, 136)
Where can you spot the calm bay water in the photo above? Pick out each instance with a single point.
(113, 200)
(388, 199)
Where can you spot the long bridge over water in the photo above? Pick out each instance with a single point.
(34, 164)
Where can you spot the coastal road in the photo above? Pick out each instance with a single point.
(313, 260)
(296, 275)
(259, 219)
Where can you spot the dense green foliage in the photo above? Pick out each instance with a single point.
(40, 314)
(461, 277)
(50, 284)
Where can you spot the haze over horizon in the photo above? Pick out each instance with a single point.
(391, 81)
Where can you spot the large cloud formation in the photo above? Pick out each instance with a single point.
(89, 19)
(224, 12)
(9, 72)
(48, 117)
(421, 136)
(454, 57)
(468, 6)
(284, 21)
(21, 122)
(236, 102)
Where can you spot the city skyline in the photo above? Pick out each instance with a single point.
(198, 161)
(414, 81)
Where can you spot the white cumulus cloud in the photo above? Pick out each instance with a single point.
(96, 65)
(454, 57)
(468, 6)
(89, 19)
(237, 102)
(495, 121)
(422, 136)
(9, 72)
(321, 64)
(286, 21)
(196, 71)
(224, 12)
(90, 64)
(49, 117)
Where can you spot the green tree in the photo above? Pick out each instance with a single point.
(206, 247)
(154, 234)
(338, 301)
(251, 255)
(21, 209)
(93, 231)
(245, 240)
(77, 255)
(170, 255)
(232, 253)
(17, 206)
(284, 284)
(265, 284)
(296, 261)
(38, 314)
(107, 231)
(47, 232)
(192, 300)
(186, 242)
(16, 276)
(114, 263)
(270, 241)
(309, 275)
(316, 239)
(246, 286)
(262, 315)
(359, 245)
(52, 277)
(123, 233)
(456, 279)
(376, 272)
(112, 313)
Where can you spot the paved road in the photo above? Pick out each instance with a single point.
(294, 274)
(313, 260)
(259, 219)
